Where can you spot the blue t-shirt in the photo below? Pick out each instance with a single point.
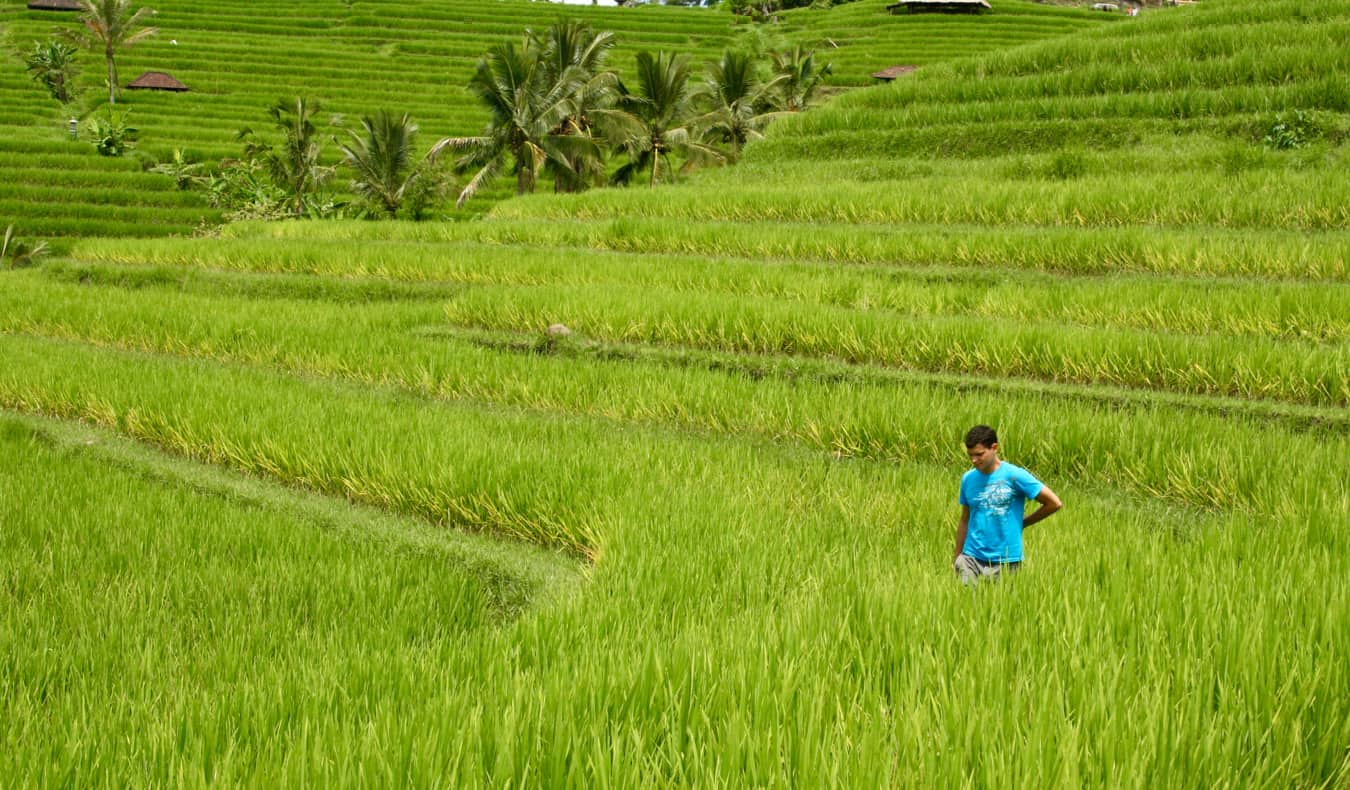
(997, 502)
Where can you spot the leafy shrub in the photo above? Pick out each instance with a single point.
(243, 188)
(1292, 131)
(295, 164)
(183, 168)
(52, 63)
(110, 133)
(428, 188)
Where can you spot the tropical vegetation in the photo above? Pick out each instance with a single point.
(236, 63)
(388, 175)
(556, 109)
(53, 63)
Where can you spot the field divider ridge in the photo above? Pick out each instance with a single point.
(521, 576)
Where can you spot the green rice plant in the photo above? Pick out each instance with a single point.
(1034, 350)
(766, 636)
(137, 612)
(109, 228)
(52, 174)
(117, 197)
(1294, 311)
(504, 512)
(1211, 252)
(715, 519)
(372, 337)
(133, 217)
(1294, 200)
(1177, 105)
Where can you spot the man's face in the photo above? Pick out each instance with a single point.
(983, 458)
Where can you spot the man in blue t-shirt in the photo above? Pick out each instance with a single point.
(993, 499)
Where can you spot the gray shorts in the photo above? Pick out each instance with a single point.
(972, 570)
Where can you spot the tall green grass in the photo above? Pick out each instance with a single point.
(1315, 201)
(800, 619)
(1285, 310)
(357, 334)
(1262, 253)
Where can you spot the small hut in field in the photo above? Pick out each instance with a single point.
(939, 6)
(55, 5)
(156, 81)
(891, 72)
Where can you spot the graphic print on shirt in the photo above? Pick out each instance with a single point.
(996, 498)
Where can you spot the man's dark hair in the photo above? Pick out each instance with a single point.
(981, 434)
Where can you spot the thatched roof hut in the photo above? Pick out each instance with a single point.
(157, 81)
(940, 6)
(55, 5)
(890, 73)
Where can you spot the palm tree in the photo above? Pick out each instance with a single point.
(386, 174)
(572, 44)
(295, 167)
(739, 100)
(529, 105)
(382, 159)
(800, 76)
(662, 112)
(113, 25)
(573, 50)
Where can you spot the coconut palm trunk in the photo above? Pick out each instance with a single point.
(111, 55)
(524, 169)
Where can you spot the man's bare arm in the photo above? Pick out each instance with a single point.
(961, 531)
(1049, 504)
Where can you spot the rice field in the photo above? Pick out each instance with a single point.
(239, 57)
(325, 502)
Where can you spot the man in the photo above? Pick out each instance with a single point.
(993, 497)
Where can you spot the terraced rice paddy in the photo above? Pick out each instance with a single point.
(356, 58)
(322, 502)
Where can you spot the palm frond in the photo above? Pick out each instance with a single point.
(457, 144)
(489, 171)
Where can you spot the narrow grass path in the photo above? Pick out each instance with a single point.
(515, 576)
